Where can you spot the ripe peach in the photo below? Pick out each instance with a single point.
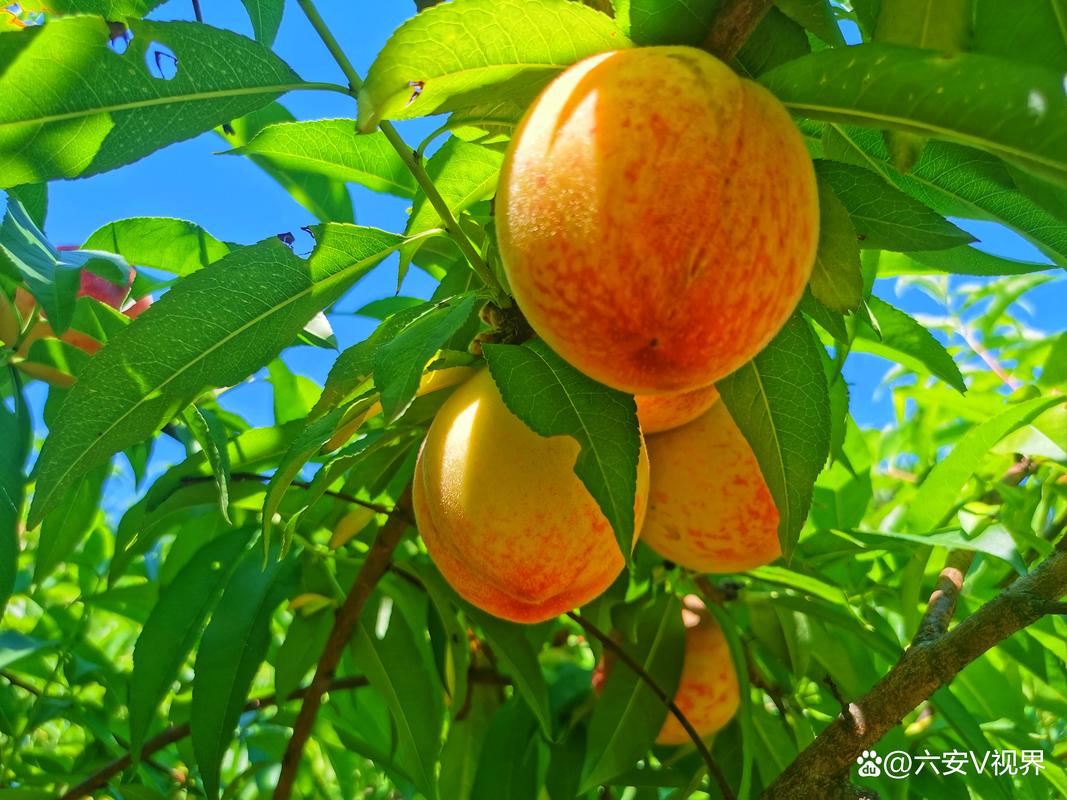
(503, 515)
(657, 218)
(709, 507)
(708, 693)
(661, 412)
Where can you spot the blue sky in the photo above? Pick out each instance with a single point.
(236, 201)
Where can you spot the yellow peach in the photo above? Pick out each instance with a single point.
(709, 507)
(661, 412)
(503, 515)
(708, 693)
(657, 218)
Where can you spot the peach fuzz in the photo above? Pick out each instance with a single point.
(503, 515)
(709, 507)
(708, 694)
(657, 218)
(661, 412)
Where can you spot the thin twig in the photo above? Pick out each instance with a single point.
(197, 12)
(733, 23)
(989, 359)
(238, 477)
(820, 771)
(374, 567)
(622, 655)
(176, 733)
(942, 604)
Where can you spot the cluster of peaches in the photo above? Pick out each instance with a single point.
(657, 220)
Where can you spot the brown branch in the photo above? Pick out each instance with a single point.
(732, 24)
(821, 770)
(175, 733)
(942, 603)
(622, 655)
(370, 573)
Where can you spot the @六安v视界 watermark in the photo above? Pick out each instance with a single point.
(899, 764)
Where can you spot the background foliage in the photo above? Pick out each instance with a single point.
(190, 606)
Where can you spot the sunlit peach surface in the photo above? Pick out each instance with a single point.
(503, 515)
(709, 507)
(661, 412)
(657, 218)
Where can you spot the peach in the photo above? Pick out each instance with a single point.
(503, 515)
(709, 507)
(708, 693)
(657, 218)
(661, 412)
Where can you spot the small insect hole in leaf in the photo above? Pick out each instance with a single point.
(416, 90)
(161, 61)
(119, 37)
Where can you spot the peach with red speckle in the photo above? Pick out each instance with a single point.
(503, 515)
(657, 218)
(662, 412)
(708, 693)
(709, 507)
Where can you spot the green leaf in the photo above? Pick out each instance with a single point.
(333, 147)
(830, 321)
(884, 217)
(305, 639)
(396, 667)
(957, 181)
(214, 328)
(937, 494)
(553, 399)
(1037, 37)
(52, 276)
(955, 260)
(93, 110)
(900, 338)
(400, 362)
(266, 16)
(942, 26)
(814, 15)
(294, 395)
(109, 9)
(628, 716)
(324, 196)
(667, 22)
(354, 367)
(466, 737)
(1012, 110)
(471, 51)
(173, 627)
(170, 245)
(16, 432)
(1055, 369)
(836, 280)
(781, 404)
(231, 650)
(776, 40)
(994, 541)
(34, 198)
(211, 436)
(64, 528)
(463, 174)
(508, 768)
(519, 658)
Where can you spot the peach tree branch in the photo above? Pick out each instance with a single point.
(374, 567)
(933, 660)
